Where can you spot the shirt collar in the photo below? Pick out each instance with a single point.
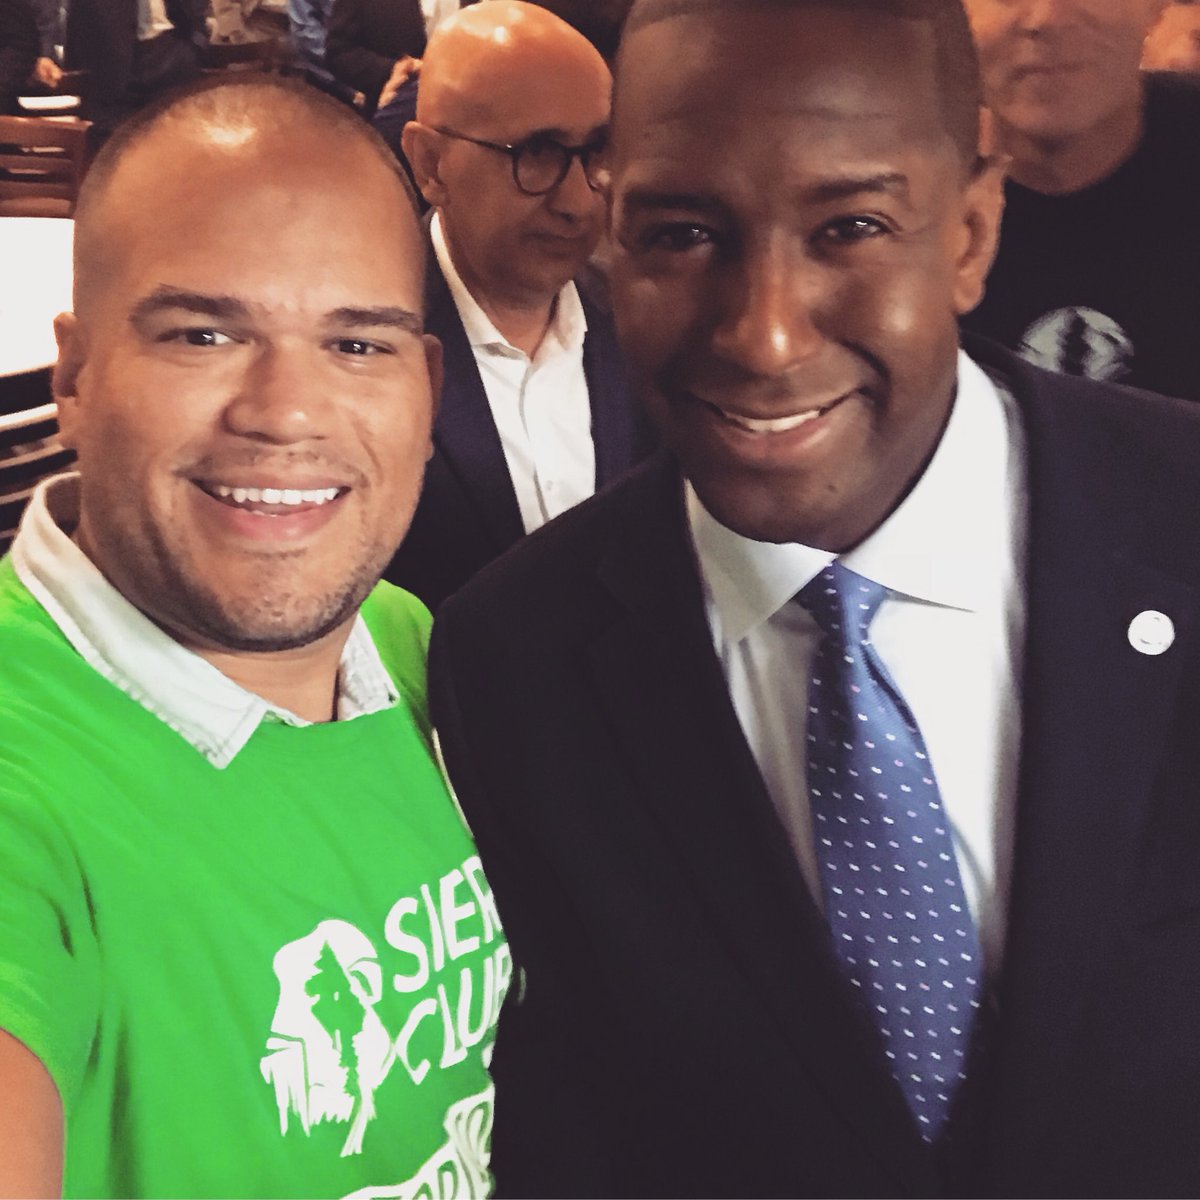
(204, 706)
(568, 324)
(945, 543)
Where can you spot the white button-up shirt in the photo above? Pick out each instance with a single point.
(951, 635)
(186, 692)
(152, 19)
(540, 405)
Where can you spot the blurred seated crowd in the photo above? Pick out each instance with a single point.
(361, 50)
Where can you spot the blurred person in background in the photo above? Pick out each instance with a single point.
(49, 15)
(307, 24)
(1096, 273)
(229, 20)
(29, 31)
(18, 51)
(375, 46)
(598, 20)
(536, 415)
(1174, 43)
(236, 21)
(133, 51)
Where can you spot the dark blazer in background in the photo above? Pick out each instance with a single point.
(101, 35)
(365, 38)
(468, 513)
(19, 49)
(685, 1029)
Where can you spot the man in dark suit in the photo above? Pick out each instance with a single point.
(374, 46)
(535, 412)
(18, 51)
(29, 30)
(133, 51)
(894, 893)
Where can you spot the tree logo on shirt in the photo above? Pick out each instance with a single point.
(346, 1021)
(328, 1051)
(1078, 341)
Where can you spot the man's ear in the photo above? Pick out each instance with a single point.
(64, 380)
(422, 148)
(982, 208)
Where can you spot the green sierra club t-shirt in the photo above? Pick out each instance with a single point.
(277, 979)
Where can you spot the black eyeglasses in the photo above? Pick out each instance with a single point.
(540, 163)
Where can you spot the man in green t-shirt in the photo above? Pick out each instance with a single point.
(246, 946)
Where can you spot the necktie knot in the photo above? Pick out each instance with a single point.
(842, 602)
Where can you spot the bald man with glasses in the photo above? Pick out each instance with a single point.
(508, 148)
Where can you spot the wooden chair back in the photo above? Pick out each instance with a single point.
(30, 450)
(42, 164)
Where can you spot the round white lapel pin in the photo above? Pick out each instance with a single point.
(1151, 632)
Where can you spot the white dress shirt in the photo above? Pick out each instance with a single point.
(951, 634)
(540, 405)
(152, 19)
(183, 690)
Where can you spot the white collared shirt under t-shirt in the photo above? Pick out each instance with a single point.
(540, 405)
(205, 707)
(951, 633)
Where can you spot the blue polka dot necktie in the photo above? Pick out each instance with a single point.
(893, 894)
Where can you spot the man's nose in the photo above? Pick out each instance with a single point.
(769, 325)
(281, 398)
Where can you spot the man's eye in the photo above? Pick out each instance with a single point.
(357, 346)
(676, 238)
(852, 229)
(200, 337)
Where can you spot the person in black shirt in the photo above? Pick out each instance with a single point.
(1098, 271)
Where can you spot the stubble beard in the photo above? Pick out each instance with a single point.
(268, 619)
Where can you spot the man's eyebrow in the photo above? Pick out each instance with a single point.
(842, 188)
(640, 199)
(387, 317)
(164, 298)
(889, 182)
(229, 308)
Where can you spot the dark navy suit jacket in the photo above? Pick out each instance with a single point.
(684, 1028)
(468, 512)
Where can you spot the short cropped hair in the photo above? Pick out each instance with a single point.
(252, 99)
(960, 90)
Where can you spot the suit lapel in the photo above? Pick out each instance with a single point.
(465, 434)
(700, 781)
(1096, 718)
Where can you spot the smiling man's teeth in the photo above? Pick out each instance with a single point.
(775, 425)
(293, 496)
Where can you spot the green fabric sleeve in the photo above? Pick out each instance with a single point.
(49, 981)
(400, 625)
